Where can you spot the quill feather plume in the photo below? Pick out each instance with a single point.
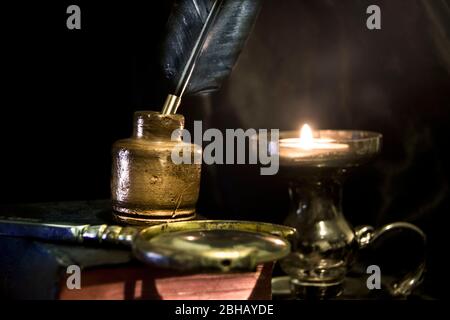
(203, 41)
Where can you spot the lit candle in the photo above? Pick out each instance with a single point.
(307, 147)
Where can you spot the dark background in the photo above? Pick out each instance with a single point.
(67, 95)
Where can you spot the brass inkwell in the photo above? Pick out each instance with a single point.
(146, 185)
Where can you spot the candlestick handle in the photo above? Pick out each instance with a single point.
(366, 235)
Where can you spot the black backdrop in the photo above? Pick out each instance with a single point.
(68, 94)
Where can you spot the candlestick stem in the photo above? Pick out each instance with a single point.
(325, 243)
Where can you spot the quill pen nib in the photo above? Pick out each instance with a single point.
(171, 104)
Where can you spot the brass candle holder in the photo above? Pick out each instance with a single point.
(326, 243)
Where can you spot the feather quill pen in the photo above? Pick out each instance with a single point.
(203, 41)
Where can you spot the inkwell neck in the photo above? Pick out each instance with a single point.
(156, 126)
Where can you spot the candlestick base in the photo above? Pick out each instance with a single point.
(302, 290)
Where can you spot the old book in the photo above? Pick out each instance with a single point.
(31, 269)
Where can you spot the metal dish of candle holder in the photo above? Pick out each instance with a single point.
(326, 243)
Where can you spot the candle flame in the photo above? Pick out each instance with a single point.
(306, 137)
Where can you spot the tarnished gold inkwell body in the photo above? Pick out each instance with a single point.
(146, 185)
